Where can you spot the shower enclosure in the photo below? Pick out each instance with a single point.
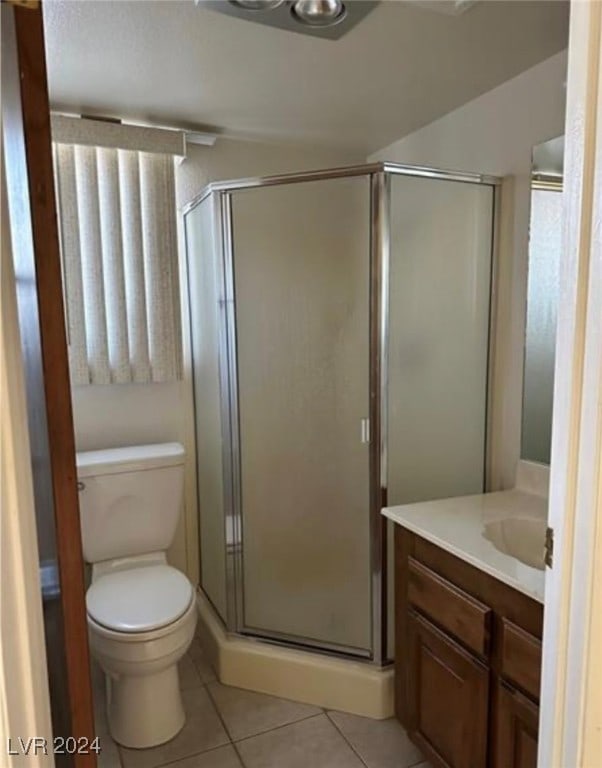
(340, 331)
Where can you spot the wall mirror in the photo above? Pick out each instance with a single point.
(545, 237)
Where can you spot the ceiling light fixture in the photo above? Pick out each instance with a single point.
(257, 5)
(318, 13)
(327, 19)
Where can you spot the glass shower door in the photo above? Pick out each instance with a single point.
(301, 288)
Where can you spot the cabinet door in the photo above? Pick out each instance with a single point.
(516, 722)
(447, 698)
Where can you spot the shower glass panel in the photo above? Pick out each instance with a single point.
(205, 285)
(439, 300)
(340, 332)
(301, 290)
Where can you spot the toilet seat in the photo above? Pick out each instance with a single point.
(137, 600)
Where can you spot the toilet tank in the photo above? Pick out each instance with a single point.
(129, 499)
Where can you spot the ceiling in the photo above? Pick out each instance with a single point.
(171, 62)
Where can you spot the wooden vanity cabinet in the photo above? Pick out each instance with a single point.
(442, 674)
(468, 660)
(515, 723)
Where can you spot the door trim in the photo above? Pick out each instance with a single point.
(571, 698)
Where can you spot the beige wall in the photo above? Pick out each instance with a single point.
(127, 414)
(495, 134)
(234, 159)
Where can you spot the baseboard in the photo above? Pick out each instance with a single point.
(347, 686)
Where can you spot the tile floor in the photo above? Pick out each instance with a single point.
(231, 728)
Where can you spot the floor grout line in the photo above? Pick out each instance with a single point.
(219, 714)
(186, 757)
(189, 757)
(346, 740)
(238, 755)
(117, 747)
(223, 722)
(270, 696)
(97, 703)
(235, 742)
(194, 754)
(277, 727)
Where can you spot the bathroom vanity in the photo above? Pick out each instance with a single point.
(469, 587)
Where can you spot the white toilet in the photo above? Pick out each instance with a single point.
(141, 612)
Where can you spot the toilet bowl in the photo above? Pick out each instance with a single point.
(141, 611)
(141, 621)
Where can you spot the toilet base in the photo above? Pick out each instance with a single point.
(144, 703)
(145, 710)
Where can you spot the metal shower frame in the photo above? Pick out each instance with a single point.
(379, 175)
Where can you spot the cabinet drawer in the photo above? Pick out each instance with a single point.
(521, 658)
(450, 607)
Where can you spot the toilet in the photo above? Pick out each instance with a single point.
(141, 611)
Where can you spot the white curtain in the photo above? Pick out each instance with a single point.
(118, 243)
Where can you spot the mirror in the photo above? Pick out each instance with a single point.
(545, 235)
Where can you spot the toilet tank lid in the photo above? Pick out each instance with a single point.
(130, 459)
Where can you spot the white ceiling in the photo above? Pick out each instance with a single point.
(402, 67)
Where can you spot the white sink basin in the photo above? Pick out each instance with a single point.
(521, 537)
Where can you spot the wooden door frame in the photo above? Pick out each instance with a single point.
(35, 246)
(571, 697)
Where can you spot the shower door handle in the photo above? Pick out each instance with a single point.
(365, 430)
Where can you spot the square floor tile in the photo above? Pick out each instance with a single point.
(246, 713)
(311, 743)
(222, 757)
(188, 673)
(380, 743)
(203, 731)
(200, 661)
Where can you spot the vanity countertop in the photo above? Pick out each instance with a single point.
(501, 533)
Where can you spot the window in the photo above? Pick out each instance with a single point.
(117, 227)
